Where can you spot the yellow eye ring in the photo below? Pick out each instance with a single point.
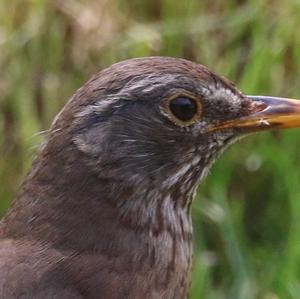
(183, 109)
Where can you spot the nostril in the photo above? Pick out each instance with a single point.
(257, 106)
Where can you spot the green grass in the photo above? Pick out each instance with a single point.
(247, 213)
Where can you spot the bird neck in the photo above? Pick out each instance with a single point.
(63, 203)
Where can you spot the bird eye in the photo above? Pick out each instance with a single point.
(183, 109)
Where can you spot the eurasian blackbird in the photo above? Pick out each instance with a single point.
(105, 211)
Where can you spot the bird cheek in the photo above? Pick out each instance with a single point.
(90, 142)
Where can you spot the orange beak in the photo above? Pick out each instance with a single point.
(266, 113)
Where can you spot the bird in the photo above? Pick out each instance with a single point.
(105, 210)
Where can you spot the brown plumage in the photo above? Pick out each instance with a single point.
(105, 210)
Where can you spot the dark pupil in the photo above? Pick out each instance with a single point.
(183, 108)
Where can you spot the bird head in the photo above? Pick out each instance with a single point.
(163, 121)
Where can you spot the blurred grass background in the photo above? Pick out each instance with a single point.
(247, 214)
